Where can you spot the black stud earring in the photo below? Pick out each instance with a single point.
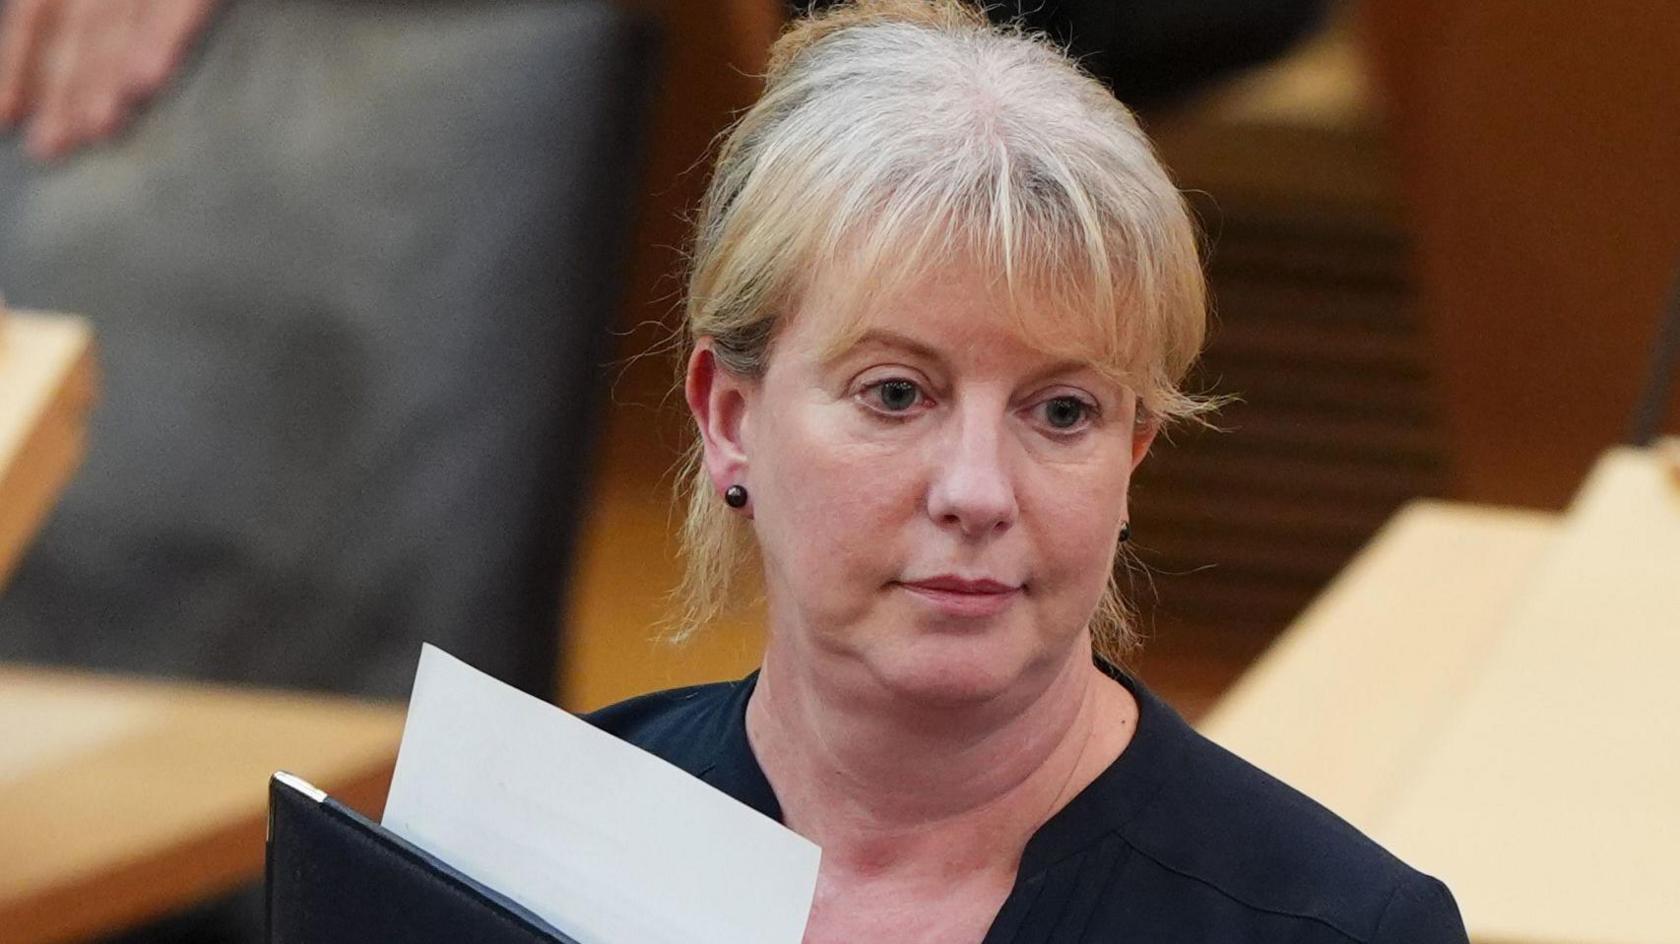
(735, 496)
(1125, 531)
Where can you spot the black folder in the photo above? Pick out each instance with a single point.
(334, 877)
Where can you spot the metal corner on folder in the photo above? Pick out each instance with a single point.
(301, 785)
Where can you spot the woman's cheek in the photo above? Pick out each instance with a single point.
(833, 492)
(1076, 524)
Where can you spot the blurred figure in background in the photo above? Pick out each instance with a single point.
(352, 272)
(73, 72)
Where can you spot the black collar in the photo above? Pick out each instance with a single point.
(1104, 807)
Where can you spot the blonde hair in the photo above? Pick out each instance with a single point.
(896, 136)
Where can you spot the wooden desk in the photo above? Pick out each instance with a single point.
(1490, 695)
(47, 387)
(1351, 695)
(123, 799)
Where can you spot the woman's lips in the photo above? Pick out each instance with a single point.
(956, 596)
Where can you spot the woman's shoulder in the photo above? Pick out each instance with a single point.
(687, 726)
(1223, 822)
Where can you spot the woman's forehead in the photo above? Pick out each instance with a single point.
(950, 311)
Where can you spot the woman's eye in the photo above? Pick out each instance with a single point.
(1066, 413)
(896, 396)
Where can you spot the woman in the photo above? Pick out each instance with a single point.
(942, 298)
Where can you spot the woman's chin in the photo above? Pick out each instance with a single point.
(951, 672)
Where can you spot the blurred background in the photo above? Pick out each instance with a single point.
(381, 299)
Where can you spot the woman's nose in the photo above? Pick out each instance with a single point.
(971, 489)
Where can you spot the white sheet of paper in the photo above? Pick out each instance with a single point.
(601, 839)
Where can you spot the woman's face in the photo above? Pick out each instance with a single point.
(938, 505)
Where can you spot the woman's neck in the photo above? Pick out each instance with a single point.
(930, 795)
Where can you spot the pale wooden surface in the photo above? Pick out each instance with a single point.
(1490, 695)
(47, 385)
(1551, 803)
(1348, 699)
(121, 799)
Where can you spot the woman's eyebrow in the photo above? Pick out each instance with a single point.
(894, 340)
(887, 338)
(1058, 368)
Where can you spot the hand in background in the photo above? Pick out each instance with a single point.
(76, 71)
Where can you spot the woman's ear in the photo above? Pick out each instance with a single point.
(718, 400)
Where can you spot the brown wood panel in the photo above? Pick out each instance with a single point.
(1286, 474)
(1317, 333)
(1538, 144)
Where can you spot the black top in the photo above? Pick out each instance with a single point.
(1178, 841)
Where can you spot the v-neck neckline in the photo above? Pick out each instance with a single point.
(1104, 807)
